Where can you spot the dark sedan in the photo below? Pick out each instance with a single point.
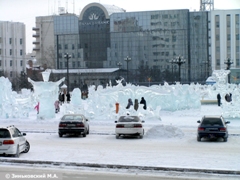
(212, 127)
(76, 124)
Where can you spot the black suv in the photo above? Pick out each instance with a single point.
(212, 127)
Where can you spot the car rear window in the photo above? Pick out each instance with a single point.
(4, 133)
(71, 118)
(129, 119)
(212, 121)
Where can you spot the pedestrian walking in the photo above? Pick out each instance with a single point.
(130, 103)
(143, 101)
(219, 99)
(136, 104)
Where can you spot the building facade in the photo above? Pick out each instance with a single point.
(225, 43)
(12, 49)
(102, 36)
(44, 46)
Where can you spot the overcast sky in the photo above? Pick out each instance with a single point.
(26, 10)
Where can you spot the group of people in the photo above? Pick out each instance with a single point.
(136, 104)
(64, 97)
(228, 98)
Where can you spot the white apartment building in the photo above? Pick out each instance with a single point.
(44, 43)
(12, 48)
(224, 38)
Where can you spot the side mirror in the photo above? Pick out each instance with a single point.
(115, 121)
(86, 119)
(228, 122)
(198, 121)
(24, 134)
(143, 121)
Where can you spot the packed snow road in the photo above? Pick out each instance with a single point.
(183, 151)
(19, 172)
(169, 142)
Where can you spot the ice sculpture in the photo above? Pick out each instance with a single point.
(46, 93)
(13, 105)
(101, 102)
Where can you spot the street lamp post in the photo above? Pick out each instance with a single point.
(127, 59)
(119, 64)
(171, 61)
(179, 61)
(228, 63)
(67, 56)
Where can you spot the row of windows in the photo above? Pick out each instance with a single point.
(155, 54)
(61, 55)
(172, 24)
(72, 46)
(237, 62)
(74, 64)
(69, 46)
(228, 48)
(11, 63)
(228, 20)
(11, 41)
(164, 16)
(228, 37)
(11, 52)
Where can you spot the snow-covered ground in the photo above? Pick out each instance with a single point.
(169, 142)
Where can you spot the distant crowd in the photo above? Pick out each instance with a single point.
(136, 104)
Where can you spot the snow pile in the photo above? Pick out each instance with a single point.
(164, 131)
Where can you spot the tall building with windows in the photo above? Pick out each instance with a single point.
(225, 43)
(12, 48)
(153, 38)
(102, 36)
(44, 46)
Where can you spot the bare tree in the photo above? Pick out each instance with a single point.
(48, 59)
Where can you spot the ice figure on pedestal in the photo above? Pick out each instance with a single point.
(76, 97)
(46, 93)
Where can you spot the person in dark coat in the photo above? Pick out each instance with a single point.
(60, 98)
(136, 104)
(68, 97)
(143, 101)
(63, 98)
(130, 103)
(219, 99)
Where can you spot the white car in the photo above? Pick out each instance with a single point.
(129, 126)
(12, 141)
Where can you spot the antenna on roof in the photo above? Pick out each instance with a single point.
(66, 6)
(73, 7)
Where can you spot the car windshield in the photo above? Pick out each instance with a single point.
(212, 121)
(4, 133)
(129, 119)
(72, 118)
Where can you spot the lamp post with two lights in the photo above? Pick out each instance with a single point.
(228, 63)
(127, 59)
(67, 56)
(179, 61)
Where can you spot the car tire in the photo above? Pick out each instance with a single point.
(117, 136)
(225, 139)
(27, 147)
(141, 136)
(198, 139)
(84, 134)
(17, 153)
(60, 135)
(88, 131)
